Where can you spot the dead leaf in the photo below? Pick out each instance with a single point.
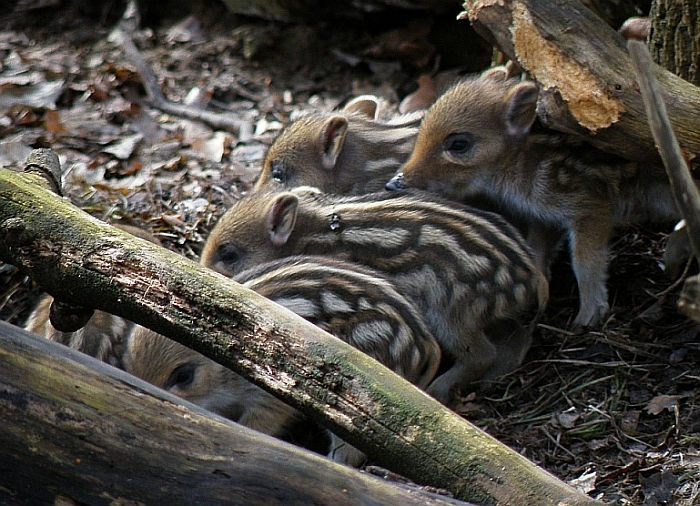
(422, 98)
(22, 115)
(662, 402)
(173, 220)
(13, 151)
(465, 408)
(630, 421)
(597, 444)
(249, 153)
(658, 488)
(21, 78)
(198, 96)
(567, 420)
(40, 96)
(172, 164)
(584, 483)
(193, 131)
(52, 122)
(124, 148)
(187, 30)
(214, 147)
(193, 206)
(263, 126)
(97, 93)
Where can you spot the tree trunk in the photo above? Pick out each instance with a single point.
(586, 80)
(76, 431)
(81, 260)
(674, 38)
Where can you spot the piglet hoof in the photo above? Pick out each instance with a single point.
(677, 252)
(396, 183)
(442, 390)
(344, 453)
(591, 316)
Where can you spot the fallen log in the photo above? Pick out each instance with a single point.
(74, 430)
(78, 259)
(587, 83)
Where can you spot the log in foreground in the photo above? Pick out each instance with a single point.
(76, 431)
(587, 84)
(81, 260)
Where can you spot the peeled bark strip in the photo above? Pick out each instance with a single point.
(684, 191)
(587, 84)
(683, 187)
(81, 260)
(76, 431)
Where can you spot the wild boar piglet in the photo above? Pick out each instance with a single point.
(469, 272)
(349, 151)
(481, 140)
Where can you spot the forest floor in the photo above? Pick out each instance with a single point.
(614, 411)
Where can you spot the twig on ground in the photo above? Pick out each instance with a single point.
(156, 98)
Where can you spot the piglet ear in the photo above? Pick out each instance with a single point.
(331, 140)
(281, 218)
(365, 105)
(503, 72)
(521, 109)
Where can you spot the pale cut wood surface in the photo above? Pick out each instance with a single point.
(587, 83)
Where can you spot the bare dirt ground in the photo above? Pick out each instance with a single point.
(615, 411)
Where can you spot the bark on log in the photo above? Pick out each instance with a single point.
(586, 79)
(76, 431)
(79, 259)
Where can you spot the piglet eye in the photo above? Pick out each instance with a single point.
(228, 254)
(279, 172)
(458, 144)
(182, 376)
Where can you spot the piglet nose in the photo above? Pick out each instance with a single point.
(396, 183)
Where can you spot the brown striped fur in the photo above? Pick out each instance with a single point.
(468, 271)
